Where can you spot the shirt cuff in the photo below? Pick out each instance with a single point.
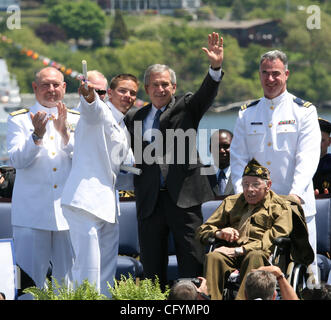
(215, 74)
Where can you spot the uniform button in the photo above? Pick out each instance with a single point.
(254, 131)
(54, 169)
(55, 186)
(270, 125)
(272, 108)
(269, 144)
(51, 137)
(53, 153)
(268, 163)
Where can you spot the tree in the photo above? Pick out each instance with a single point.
(82, 19)
(238, 10)
(119, 32)
(50, 33)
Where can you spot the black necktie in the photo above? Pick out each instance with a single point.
(156, 125)
(221, 181)
(156, 122)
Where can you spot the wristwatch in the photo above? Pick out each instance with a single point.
(35, 137)
(238, 251)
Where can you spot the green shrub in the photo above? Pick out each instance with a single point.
(54, 291)
(128, 289)
(124, 289)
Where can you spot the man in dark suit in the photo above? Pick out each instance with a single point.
(220, 142)
(322, 177)
(171, 188)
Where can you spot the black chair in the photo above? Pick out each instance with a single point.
(127, 262)
(323, 233)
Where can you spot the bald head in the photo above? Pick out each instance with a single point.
(49, 86)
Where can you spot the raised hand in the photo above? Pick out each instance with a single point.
(39, 121)
(60, 124)
(215, 50)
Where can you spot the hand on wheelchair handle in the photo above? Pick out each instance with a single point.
(229, 234)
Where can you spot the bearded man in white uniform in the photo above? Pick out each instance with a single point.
(89, 199)
(40, 143)
(282, 133)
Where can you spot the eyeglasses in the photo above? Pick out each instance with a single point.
(101, 92)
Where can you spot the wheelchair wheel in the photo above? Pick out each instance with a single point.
(289, 272)
(298, 278)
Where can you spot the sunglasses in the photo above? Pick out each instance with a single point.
(101, 92)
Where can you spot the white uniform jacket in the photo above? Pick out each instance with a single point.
(100, 147)
(124, 180)
(41, 171)
(283, 135)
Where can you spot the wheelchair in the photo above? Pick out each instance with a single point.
(296, 272)
(292, 254)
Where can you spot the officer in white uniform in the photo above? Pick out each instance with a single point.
(40, 145)
(89, 197)
(282, 133)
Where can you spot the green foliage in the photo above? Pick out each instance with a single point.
(146, 289)
(164, 39)
(55, 291)
(82, 19)
(119, 32)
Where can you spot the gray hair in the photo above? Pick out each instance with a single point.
(95, 74)
(158, 68)
(183, 290)
(273, 55)
(260, 284)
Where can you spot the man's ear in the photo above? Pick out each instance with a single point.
(274, 296)
(269, 183)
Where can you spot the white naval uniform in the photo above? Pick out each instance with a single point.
(283, 135)
(89, 197)
(39, 227)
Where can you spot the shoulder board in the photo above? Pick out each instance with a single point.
(302, 103)
(73, 111)
(245, 106)
(17, 112)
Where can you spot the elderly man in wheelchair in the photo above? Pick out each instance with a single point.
(247, 225)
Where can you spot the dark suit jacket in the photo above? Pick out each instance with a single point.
(186, 186)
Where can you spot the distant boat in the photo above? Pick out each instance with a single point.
(10, 100)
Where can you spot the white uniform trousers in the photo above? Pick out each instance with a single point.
(311, 227)
(35, 248)
(95, 242)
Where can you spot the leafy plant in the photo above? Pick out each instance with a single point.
(146, 289)
(55, 291)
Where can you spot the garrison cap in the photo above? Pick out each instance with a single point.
(325, 125)
(254, 169)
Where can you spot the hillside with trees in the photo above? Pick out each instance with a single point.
(68, 32)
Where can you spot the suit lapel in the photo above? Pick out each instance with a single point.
(142, 113)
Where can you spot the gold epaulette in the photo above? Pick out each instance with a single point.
(20, 111)
(73, 111)
(245, 106)
(301, 102)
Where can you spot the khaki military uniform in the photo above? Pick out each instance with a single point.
(258, 226)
